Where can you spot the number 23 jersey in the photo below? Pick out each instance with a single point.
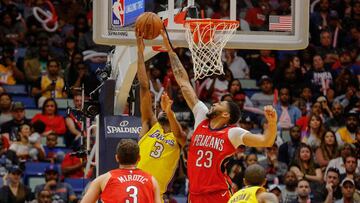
(159, 155)
(207, 150)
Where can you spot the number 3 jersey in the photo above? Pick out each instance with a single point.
(159, 155)
(128, 185)
(207, 151)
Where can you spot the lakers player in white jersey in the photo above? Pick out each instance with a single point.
(161, 137)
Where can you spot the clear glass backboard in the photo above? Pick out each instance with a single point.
(264, 24)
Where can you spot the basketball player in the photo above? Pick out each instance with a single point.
(125, 184)
(215, 138)
(254, 180)
(161, 137)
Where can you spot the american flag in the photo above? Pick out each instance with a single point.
(280, 23)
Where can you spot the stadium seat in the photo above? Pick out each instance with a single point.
(78, 184)
(29, 113)
(35, 168)
(16, 89)
(29, 102)
(64, 103)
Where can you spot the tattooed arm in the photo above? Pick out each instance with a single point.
(180, 74)
(148, 118)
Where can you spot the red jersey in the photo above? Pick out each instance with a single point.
(207, 151)
(128, 185)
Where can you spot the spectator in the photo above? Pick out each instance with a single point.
(305, 168)
(237, 65)
(60, 191)
(288, 193)
(320, 79)
(74, 121)
(287, 150)
(325, 50)
(80, 76)
(346, 134)
(53, 154)
(250, 159)
(349, 98)
(275, 169)
(263, 64)
(36, 66)
(348, 190)
(266, 96)
(53, 121)
(73, 166)
(44, 196)
(5, 108)
(303, 191)
(50, 85)
(338, 119)
(312, 136)
(326, 113)
(288, 114)
(328, 149)
(24, 149)
(319, 21)
(350, 168)
(15, 191)
(257, 16)
(10, 74)
(330, 191)
(235, 88)
(10, 129)
(345, 151)
(10, 31)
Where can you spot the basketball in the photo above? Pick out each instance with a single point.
(150, 24)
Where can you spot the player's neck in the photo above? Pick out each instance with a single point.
(216, 123)
(127, 166)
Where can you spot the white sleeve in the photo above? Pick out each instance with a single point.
(236, 136)
(200, 110)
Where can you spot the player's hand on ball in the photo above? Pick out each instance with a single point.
(166, 103)
(140, 40)
(270, 114)
(166, 40)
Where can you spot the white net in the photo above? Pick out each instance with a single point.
(206, 39)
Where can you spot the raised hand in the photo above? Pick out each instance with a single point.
(166, 103)
(270, 114)
(140, 40)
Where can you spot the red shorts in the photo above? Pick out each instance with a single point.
(216, 197)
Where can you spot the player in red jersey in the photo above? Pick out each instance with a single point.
(215, 138)
(125, 184)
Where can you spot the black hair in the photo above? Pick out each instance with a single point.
(234, 112)
(39, 126)
(255, 175)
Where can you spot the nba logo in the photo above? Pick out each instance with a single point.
(118, 13)
(125, 12)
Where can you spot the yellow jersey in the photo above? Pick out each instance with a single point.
(247, 194)
(159, 155)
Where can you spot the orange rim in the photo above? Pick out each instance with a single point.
(212, 22)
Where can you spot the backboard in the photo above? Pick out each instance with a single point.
(263, 23)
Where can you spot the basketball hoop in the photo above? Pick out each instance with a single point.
(206, 39)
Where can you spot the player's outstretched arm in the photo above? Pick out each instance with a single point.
(157, 197)
(180, 74)
(269, 136)
(147, 115)
(93, 193)
(175, 126)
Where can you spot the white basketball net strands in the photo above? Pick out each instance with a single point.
(206, 39)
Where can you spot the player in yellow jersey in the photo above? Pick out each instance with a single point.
(161, 137)
(254, 180)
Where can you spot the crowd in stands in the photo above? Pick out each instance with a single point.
(315, 92)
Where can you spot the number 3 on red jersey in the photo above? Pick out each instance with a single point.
(133, 191)
(204, 159)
